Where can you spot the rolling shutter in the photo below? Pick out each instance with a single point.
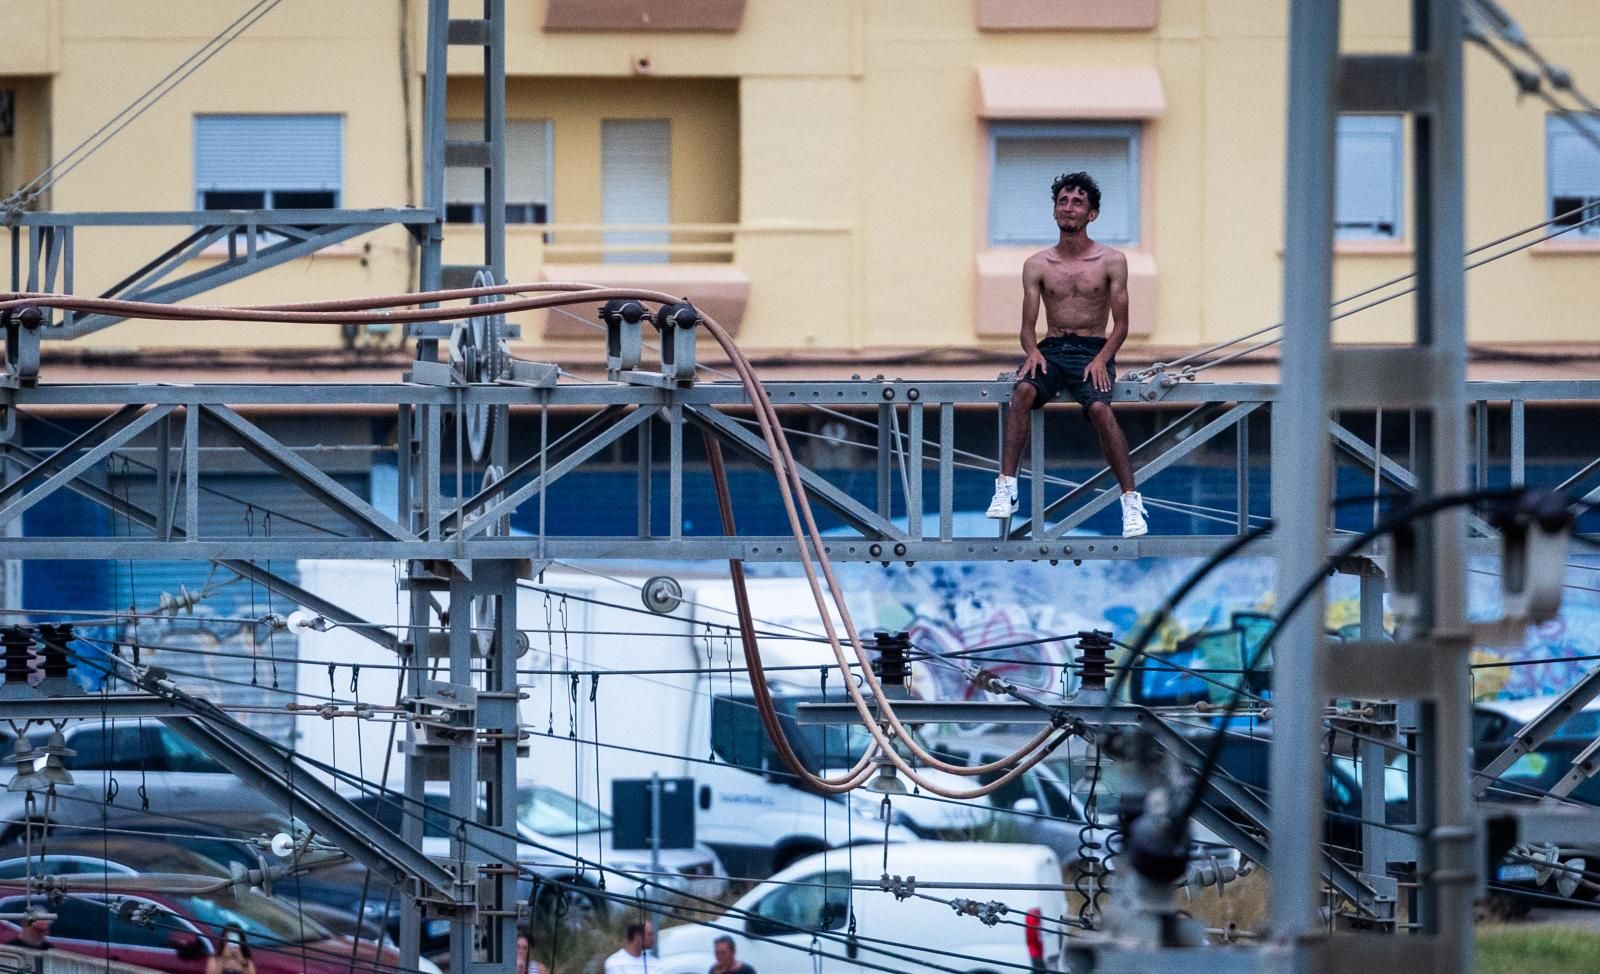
(635, 176)
(1025, 164)
(268, 152)
(1367, 197)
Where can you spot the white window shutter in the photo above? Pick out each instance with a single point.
(1020, 208)
(635, 182)
(1574, 160)
(268, 152)
(1367, 196)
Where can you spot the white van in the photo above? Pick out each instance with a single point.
(799, 920)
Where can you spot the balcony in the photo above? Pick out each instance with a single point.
(715, 265)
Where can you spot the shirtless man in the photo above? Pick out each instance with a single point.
(1079, 282)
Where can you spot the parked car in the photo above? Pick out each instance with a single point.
(1497, 721)
(1045, 810)
(554, 827)
(207, 850)
(177, 932)
(774, 924)
(138, 754)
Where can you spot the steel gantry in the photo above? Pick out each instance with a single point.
(903, 518)
(452, 415)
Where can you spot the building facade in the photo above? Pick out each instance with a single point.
(842, 180)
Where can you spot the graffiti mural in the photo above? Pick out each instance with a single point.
(1005, 615)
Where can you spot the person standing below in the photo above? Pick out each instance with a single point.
(1080, 282)
(727, 961)
(634, 957)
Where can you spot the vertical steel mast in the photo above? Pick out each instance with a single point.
(1428, 376)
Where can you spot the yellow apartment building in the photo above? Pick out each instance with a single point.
(848, 182)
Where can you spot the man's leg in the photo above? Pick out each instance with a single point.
(1115, 448)
(1018, 424)
(1112, 444)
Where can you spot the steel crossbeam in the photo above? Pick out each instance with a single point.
(256, 240)
(918, 476)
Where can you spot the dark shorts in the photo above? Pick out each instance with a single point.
(1065, 358)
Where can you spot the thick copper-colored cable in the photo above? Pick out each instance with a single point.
(784, 464)
(752, 652)
(791, 489)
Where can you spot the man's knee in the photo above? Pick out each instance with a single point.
(1023, 395)
(1098, 411)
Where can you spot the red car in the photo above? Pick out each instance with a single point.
(177, 932)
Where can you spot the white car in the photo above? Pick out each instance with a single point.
(799, 920)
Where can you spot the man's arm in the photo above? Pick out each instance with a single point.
(1117, 291)
(1032, 285)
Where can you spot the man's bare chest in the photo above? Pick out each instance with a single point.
(1076, 283)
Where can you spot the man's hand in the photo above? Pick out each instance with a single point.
(1034, 362)
(1096, 374)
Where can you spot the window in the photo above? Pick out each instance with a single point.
(1573, 171)
(248, 162)
(551, 812)
(1026, 157)
(97, 921)
(527, 175)
(184, 756)
(635, 185)
(822, 903)
(124, 746)
(1367, 180)
(737, 736)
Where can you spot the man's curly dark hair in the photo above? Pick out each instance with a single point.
(1077, 180)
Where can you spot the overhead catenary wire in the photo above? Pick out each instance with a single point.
(74, 157)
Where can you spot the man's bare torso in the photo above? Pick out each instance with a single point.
(1076, 291)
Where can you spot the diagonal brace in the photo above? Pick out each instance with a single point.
(1184, 446)
(1361, 452)
(1164, 439)
(89, 437)
(553, 473)
(67, 473)
(244, 569)
(271, 772)
(855, 513)
(577, 434)
(302, 473)
(1538, 730)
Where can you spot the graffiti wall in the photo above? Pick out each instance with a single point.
(966, 608)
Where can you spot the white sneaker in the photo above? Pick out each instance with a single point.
(1133, 515)
(1005, 498)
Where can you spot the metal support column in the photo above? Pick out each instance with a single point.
(463, 762)
(1451, 864)
(1373, 755)
(1300, 470)
(497, 720)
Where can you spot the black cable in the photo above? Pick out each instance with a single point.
(1389, 523)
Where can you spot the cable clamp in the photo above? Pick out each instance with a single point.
(903, 889)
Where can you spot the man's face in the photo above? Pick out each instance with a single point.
(39, 928)
(647, 939)
(724, 954)
(1072, 209)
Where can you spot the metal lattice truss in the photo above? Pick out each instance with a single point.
(245, 242)
(913, 425)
